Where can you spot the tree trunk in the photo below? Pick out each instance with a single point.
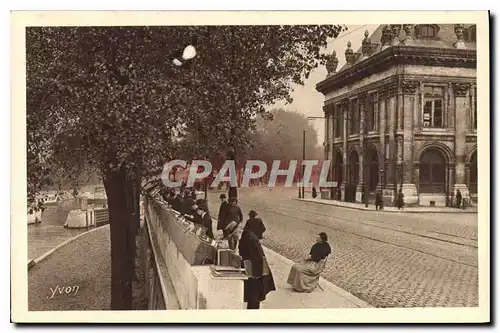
(120, 203)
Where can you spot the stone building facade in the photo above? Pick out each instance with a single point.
(402, 114)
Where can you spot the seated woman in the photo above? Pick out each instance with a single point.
(304, 277)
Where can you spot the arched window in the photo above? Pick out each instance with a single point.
(432, 172)
(371, 113)
(373, 172)
(353, 167)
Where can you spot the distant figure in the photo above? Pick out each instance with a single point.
(378, 200)
(234, 211)
(255, 224)
(314, 192)
(261, 281)
(222, 219)
(304, 277)
(459, 198)
(204, 218)
(339, 193)
(400, 199)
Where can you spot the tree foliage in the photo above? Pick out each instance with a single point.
(281, 138)
(109, 98)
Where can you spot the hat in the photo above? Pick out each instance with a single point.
(202, 204)
(191, 202)
(222, 196)
(252, 213)
(230, 229)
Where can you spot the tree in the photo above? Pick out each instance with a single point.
(281, 138)
(109, 98)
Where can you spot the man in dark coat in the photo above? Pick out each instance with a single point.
(459, 198)
(234, 211)
(255, 224)
(190, 209)
(204, 218)
(314, 192)
(222, 220)
(401, 199)
(261, 282)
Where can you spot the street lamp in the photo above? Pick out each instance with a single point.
(189, 53)
(181, 59)
(304, 154)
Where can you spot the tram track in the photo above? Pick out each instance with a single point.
(382, 225)
(370, 237)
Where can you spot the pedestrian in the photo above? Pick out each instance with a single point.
(314, 192)
(459, 198)
(400, 199)
(255, 224)
(378, 200)
(234, 211)
(260, 280)
(204, 217)
(190, 209)
(222, 219)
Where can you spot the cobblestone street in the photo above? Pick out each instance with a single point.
(385, 259)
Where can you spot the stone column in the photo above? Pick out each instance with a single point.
(331, 143)
(381, 131)
(389, 192)
(460, 92)
(344, 147)
(362, 156)
(409, 89)
(399, 135)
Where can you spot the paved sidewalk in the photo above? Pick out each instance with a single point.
(371, 207)
(76, 277)
(84, 267)
(327, 295)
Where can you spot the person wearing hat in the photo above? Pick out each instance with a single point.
(260, 282)
(255, 224)
(190, 211)
(223, 210)
(204, 218)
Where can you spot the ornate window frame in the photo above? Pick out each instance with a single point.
(471, 34)
(419, 29)
(444, 106)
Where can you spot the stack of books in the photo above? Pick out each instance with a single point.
(227, 272)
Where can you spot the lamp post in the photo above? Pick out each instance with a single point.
(188, 56)
(304, 152)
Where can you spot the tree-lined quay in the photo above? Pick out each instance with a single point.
(122, 101)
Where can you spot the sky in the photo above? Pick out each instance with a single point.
(306, 99)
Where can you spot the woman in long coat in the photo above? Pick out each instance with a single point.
(304, 277)
(261, 282)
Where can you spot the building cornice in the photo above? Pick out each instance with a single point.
(399, 55)
(387, 87)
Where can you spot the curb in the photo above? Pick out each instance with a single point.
(33, 262)
(387, 211)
